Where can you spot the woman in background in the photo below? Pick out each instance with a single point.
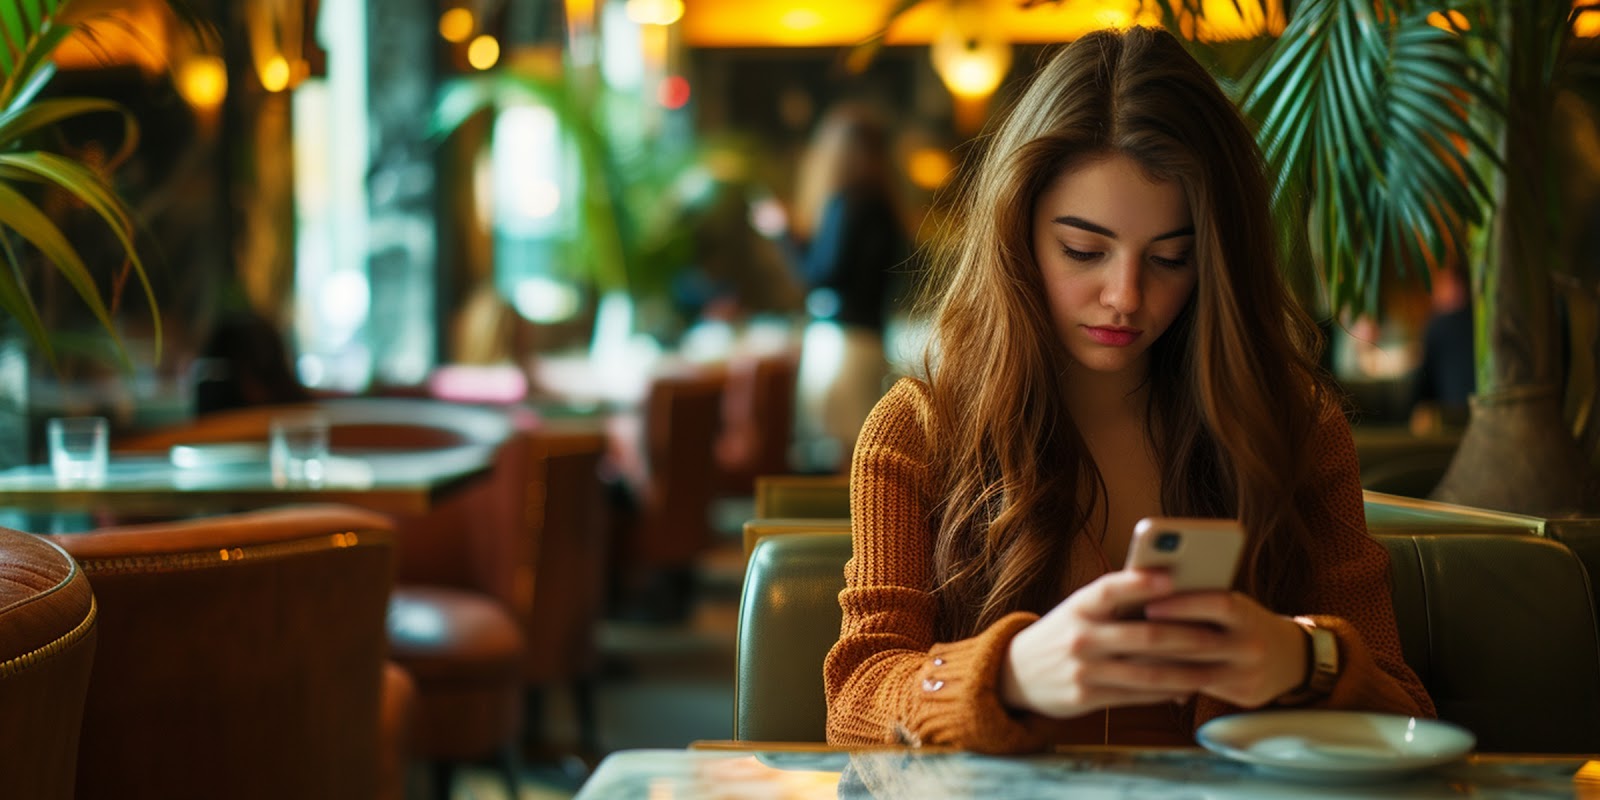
(1114, 342)
(850, 238)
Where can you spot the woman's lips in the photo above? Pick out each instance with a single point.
(1114, 337)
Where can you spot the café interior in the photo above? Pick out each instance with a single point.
(436, 399)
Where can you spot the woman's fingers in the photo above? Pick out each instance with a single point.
(1113, 593)
(1150, 640)
(1222, 609)
(1162, 677)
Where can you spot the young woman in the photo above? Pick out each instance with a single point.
(1113, 342)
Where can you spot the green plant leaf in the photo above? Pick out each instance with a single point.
(19, 214)
(1367, 134)
(17, 301)
(19, 122)
(95, 193)
(34, 68)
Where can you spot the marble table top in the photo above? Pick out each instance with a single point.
(1103, 773)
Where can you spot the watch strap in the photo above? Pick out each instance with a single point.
(1322, 665)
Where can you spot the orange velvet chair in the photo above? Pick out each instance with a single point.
(241, 656)
(47, 642)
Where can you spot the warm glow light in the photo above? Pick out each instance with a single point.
(1222, 22)
(580, 12)
(136, 35)
(1587, 24)
(822, 23)
(673, 91)
(1113, 18)
(971, 57)
(483, 52)
(929, 167)
(654, 12)
(800, 19)
(457, 25)
(655, 44)
(1449, 21)
(203, 82)
(275, 74)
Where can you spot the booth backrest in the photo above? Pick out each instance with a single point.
(1500, 627)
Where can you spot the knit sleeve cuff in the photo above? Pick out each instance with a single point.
(1362, 684)
(958, 702)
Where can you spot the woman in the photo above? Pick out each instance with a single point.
(850, 239)
(1114, 342)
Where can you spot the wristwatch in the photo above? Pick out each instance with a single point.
(1322, 659)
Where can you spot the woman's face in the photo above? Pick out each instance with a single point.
(1114, 250)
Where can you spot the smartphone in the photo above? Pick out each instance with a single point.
(1200, 554)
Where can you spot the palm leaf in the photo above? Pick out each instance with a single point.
(1361, 106)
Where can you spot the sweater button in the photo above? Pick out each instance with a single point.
(938, 662)
(931, 685)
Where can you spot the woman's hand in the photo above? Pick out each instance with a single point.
(1080, 657)
(1260, 655)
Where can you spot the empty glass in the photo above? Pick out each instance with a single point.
(79, 450)
(297, 446)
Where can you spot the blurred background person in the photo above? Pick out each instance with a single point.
(245, 362)
(1447, 374)
(849, 239)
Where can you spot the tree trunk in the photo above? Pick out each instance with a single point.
(1518, 455)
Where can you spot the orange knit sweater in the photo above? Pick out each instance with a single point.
(889, 681)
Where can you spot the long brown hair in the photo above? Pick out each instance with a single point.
(1233, 385)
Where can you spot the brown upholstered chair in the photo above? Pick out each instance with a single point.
(565, 603)
(239, 656)
(758, 409)
(463, 570)
(47, 641)
(664, 457)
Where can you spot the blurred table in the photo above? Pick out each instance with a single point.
(392, 481)
(1100, 772)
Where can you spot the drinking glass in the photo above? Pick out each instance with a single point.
(79, 450)
(297, 447)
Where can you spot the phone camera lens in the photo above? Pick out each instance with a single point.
(1167, 541)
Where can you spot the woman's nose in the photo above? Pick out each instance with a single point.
(1122, 292)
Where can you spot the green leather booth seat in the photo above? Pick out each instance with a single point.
(1500, 627)
(1388, 513)
(795, 497)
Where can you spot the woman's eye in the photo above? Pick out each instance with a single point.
(1078, 255)
(1180, 261)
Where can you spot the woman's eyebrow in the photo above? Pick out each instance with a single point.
(1080, 222)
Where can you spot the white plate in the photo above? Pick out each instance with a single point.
(1340, 746)
(193, 456)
